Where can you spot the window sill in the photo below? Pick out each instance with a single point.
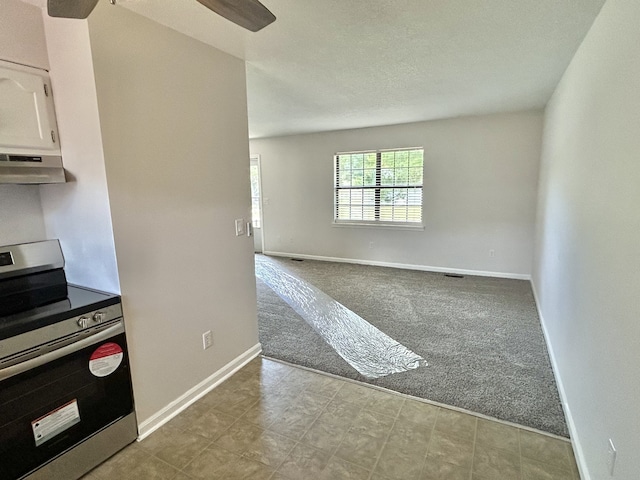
(389, 226)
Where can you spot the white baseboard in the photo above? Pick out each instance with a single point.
(575, 440)
(154, 422)
(406, 266)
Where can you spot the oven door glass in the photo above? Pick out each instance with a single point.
(47, 410)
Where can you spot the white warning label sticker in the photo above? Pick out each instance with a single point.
(55, 422)
(106, 359)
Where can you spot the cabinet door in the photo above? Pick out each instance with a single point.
(25, 111)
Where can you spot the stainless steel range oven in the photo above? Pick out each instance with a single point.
(66, 402)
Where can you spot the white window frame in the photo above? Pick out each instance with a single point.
(254, 160)
(377, 188)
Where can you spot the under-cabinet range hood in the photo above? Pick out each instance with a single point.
(31, 169)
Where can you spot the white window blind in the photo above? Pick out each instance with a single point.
(256, 214)
(383, 186)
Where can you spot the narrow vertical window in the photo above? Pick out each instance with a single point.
(256, 214)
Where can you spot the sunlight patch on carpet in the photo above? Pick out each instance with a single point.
(371, 352)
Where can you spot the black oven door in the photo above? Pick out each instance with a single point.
(53, 402)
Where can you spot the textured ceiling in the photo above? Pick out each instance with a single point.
(336, 64)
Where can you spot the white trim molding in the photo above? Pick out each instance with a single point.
(157, 420)
(575, 440)
(405, 266)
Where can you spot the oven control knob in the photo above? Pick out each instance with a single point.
(98, 317)
(83, 322)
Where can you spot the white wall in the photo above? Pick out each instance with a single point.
(20, 215)
(174, 127)
(22, 41)
(78, 212)
(22, 37)
(479, 194)
(587, 274)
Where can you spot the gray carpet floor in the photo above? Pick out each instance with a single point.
(481, 337)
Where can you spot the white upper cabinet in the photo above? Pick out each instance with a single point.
(27, 116)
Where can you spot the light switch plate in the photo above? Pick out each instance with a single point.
(239, 227)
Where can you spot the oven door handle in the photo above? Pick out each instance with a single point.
(30, 364)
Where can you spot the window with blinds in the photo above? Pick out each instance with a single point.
(379, 187)
(256, 214)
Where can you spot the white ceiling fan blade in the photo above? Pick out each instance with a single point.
(249, 14)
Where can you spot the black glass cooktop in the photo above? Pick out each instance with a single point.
(79, 301)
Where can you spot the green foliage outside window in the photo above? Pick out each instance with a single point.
(383, 186)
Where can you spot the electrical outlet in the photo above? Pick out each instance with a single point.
(370, 245)
(492, 253)
(207, 340)
(611, 457)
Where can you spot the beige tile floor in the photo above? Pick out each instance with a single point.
(274, 421)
